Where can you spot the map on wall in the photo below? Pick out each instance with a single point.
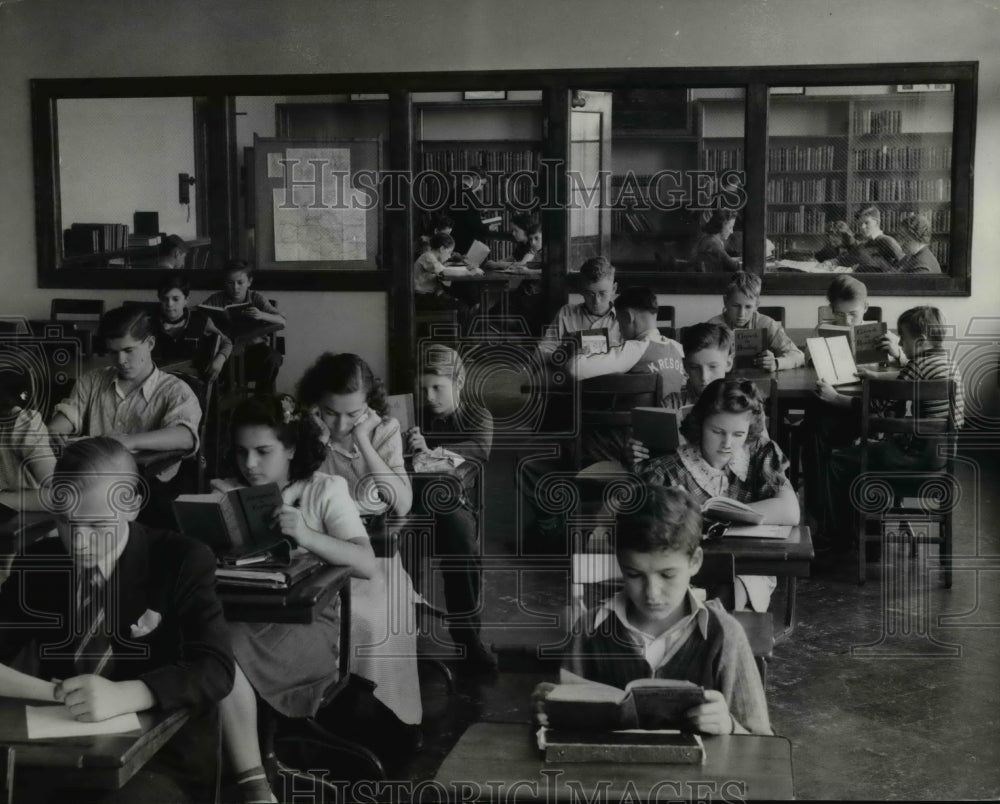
(318, 215)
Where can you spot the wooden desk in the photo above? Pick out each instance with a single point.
(242, 336)
(299, 604)
(737, 768)
(102, 761)
(800, 383)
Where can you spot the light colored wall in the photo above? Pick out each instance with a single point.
(61, 38)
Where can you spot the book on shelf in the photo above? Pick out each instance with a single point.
(140, 241)
(748, 344)
(726, 509)
(659, 428)
(865, 339)
(646, 703)
(236, 524)
(81, 239)
(492, 219)
(833, 360)
(228, 317)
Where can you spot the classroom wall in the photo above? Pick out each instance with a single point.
(61, 38)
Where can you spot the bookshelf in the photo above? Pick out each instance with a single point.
(505, 138)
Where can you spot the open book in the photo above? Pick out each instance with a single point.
(726, 509)
(833, 360)
(236, 524)
(225, 318)
(865, 339)
(646, 703)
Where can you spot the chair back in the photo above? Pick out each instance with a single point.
(277, 341)
(88, 310)
(931, 404)
(873, 314)
(665, 320)
(776, 312)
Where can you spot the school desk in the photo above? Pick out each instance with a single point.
(102, 761)
(503, 761)
(242, 336)
(300, 603)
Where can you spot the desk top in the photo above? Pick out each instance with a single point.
(104, 761)
(300, 603)
(737, 767)
(800, 383)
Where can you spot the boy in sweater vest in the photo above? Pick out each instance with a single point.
(657, 628)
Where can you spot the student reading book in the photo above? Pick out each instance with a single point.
(597, 284)
(865, 339)
(657, 628)
(180, 332)
(740, 312)
(726, 456)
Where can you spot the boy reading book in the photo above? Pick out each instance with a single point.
(740, 313)
(596, 311)
(656, 627)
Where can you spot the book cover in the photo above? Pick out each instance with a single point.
(259, 504)
(748, 344)
(725, 509)
(866, 340)
(634, 746)
(476, 255)
(202, 517)
(402, 410)
(778, 532)
(659, 428)
(235, 522)
(592, 341)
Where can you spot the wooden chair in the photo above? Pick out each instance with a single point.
(873, 314)
(605, 404)
(775, 312)
(665, 320)
(909, 496)
(276, 339)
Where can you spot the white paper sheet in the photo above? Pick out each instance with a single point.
(57, 721)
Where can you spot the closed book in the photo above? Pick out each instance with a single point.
(631, 746)
(749, 343)
(302, 565)
(659, 428)
(592, 341)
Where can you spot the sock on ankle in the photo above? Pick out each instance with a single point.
(254, 788)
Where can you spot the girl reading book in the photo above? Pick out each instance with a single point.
(291, 666)
(727, 454)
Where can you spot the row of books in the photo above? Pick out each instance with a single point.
(940, 219)
(448, 160)
(874, 190)
(722, 158)
(903, 157)
(801, 221)
(630, 221)
(878, 121)
(940, 249)
(793, 191)
(95, 238)
(800, 157)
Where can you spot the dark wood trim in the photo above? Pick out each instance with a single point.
(755, 163)
(555, 192)
(399, 247)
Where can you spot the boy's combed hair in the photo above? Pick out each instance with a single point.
(717, 220)
(595, 269)
(725, 396)
(172, 243)
(237, 267)
(174, 282)
(924, 322)
(871, 212)
(916, 227)
(663, 518)
(441, 240)
(84, 462)
(301, 433)
(744, 282)
(845, 288)
(122, 322)
(442, 361)
(707, 336)
(637, 298)
(343, 373)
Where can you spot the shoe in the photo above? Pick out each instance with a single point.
(478, 658)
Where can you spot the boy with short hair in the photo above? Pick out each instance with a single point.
(875, 252)
(848, 299)
(131, 621)
(740, 312)
(657, 627)
(430, 266)
(597, 311)
(261, 362)
(914, 235)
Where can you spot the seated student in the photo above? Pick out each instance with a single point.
(710, 254)
(173, 254)
(26, 458)
(261, 361)
(919, 350)
(466, 210)
(290, 666)
(178, 329)
(439, 224)
(598, 286)
(848, 299)
(839, 242)
(365, 447)
(449, 421)
(643, 351)
(133, 401)
(430, 267)
(914, 235)
(728, 455)
(657, 627)
(527, 234)
(875, 252)
(163, 646)
(740, 312)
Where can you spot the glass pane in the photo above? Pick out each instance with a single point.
(859, 178)
(676, 156)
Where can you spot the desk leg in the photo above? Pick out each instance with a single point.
(789, 624)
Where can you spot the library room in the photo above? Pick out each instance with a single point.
(441, 401)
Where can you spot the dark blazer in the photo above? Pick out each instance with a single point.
(186, 660)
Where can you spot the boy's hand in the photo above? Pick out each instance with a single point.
(538, 697)
(215, 368)
(766, 360)
(890, 342)
(366, 425)
(416, 440)
(640, 452)
(867, 374)
(478, 272)
(828, 393)
(91, 698)
(290, 522)
(712, 717)
(124, 439)
(254, 313)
